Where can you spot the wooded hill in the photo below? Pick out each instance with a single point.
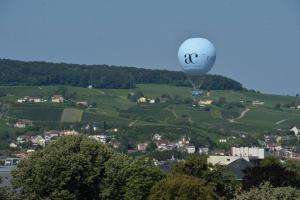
(15, 73)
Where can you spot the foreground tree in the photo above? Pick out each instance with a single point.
(273, 171)
(224, 184)
(76, 167)
(267, 191)
(181, 187)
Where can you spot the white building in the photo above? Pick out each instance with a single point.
(142, 100)
(203, 150)
(248, 152)
(57, 99)
(205, 102)
(152, 101)
(157, 137)
(257, 102)
(191, 149)
(68, 132)
(13, 145)
(295, 130)
(223, 160)
(100, 138)
(222, 140)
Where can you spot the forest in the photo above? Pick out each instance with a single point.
(14, 73)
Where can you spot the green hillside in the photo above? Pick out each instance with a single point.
(175, 116)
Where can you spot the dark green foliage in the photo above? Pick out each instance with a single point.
(76, 167)
(182, 187)
(273, 171)
(103, 76)
(267, 191)
(196, 166)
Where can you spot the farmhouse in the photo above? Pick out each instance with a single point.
(257, 102)
(57, 99)
(205, 102)
(31, 99)
(142, 100)
(83, 104)
(22, 123)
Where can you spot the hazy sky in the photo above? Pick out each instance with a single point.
(257, 41)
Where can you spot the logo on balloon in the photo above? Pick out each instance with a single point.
(191, 58)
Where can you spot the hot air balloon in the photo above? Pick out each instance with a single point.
(196, 56)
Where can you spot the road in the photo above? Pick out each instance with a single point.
(241, 116)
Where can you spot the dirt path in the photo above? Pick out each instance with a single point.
(241, 116)
(132, 123)
(281, 121)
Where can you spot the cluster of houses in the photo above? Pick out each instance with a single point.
(32, 99)
(40, 140)
(163, 145)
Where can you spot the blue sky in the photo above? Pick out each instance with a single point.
(257, 41)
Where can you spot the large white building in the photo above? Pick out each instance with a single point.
(256, 152)
(246, 153)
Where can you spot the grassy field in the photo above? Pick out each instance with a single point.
(71, 115)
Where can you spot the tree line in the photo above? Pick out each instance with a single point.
(77, 167)
(101, 76)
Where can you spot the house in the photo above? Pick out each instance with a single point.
(20, 124)
(142, 100)
(22, 139)
(222, 140)
(21, 100)
(99, 138)
(274, 147)
(296, 131)
(31, 99)
(9, 162)
(163, 145)
(142, 146)
(184, 141)
(13, 145)
(51, 134)
(34, 99)
(259, 153)
(257, 102)
(83, 104)
(68, 132)
(152, 101)
(205, 102)
(57, 99)
(203, 150)
(190, 149)
(38, 140)
(157, 137)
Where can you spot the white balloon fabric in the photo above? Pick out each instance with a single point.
(197, 56)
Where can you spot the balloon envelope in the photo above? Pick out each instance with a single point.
(197, 56)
